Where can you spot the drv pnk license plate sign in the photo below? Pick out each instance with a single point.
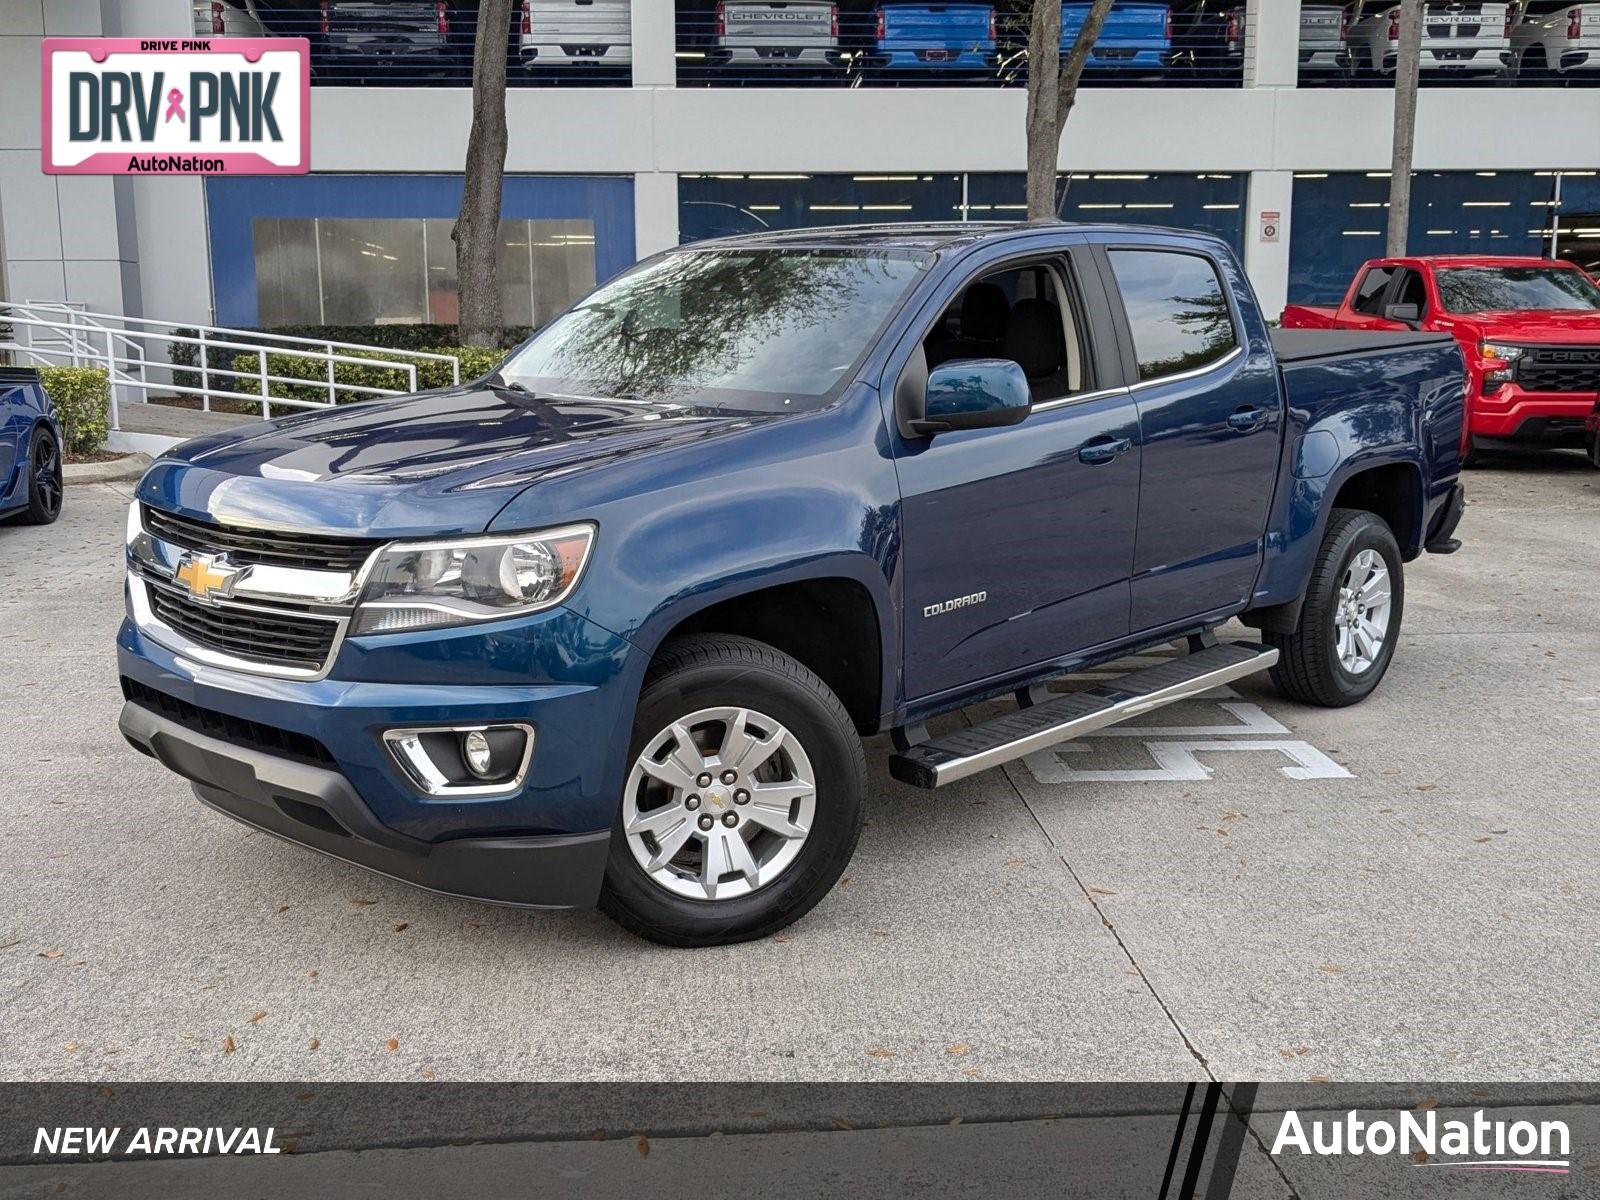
(169, 106)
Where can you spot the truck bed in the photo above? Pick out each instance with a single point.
(1309, 345)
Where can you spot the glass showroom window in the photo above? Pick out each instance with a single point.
(719, 205)
(1339, 220)
(402, 271)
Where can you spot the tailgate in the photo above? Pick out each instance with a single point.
(371, 16)
(1320, 25)
(953, 26)
(786, 23)
(1126, 23)
(581, 20)
(1463, 19)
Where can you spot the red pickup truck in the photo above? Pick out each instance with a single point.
(1529, 328)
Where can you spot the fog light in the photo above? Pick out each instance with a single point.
(476, 748)
(476, 760)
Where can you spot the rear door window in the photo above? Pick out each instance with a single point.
(1177, 309)
(1370, 291)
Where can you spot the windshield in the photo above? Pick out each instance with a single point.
(1511, 289)
(758, 330)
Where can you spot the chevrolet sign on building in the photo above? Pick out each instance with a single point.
(202, 106)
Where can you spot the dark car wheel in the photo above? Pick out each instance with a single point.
(1351, 618)
(743, 800)
(45, 480)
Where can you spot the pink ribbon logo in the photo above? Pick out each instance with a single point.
(175, 105)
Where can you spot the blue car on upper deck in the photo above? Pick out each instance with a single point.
(941, 38)
(610, 623)
(1136, 38)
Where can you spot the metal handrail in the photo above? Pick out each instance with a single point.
(127, 370)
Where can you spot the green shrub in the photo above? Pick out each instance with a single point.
(82, 396)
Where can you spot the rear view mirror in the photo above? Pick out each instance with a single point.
(973, 393)
(1407, 314)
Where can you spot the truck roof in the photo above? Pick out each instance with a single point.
(1476, 260)
(930, 236)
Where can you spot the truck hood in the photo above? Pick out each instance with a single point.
(439, 462)
(1552, 325)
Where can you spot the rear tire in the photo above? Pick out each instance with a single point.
(1594, 449)
(757, 722)
(45, 480)
(1350, 621)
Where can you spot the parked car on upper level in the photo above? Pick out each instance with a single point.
(1549, 38)
(1323, 30)
(228, 18)
(1208, 38)
(576, 33)
(1528, 327)
(1458, 36)
(776, 33)
(1136, 38)
(361, 38)
(31, 475)
(941, 38)
(611, 622)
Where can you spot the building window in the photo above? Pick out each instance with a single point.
(1340, 219)
(402, 271)
(722, 204)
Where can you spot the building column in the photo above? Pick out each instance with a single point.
(655, 44)
(1271, 43)
(655, 212)
(1266, 238)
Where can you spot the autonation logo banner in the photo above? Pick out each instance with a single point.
(200, 106)
(1477, 1143)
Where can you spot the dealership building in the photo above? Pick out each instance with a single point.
(601, 171)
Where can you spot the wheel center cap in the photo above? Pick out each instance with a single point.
(717, 798)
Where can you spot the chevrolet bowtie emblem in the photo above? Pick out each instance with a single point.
(203, 574)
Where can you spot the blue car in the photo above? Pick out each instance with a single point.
(935, 37)
(30, 449)
(1136, 38)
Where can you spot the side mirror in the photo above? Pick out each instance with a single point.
(973, 393)
(1406, 314)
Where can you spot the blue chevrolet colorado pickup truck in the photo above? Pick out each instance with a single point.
(610, 624)
(30, 449)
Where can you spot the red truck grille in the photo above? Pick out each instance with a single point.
(1560, 369)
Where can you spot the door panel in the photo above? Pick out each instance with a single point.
(1211, 422)
(1019, 541)
(1016, 517)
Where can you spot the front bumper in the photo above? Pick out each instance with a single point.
(1512, 413)
(317, 807)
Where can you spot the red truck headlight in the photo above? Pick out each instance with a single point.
(1498, 362)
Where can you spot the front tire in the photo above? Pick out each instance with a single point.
(744, 797)
(1350, 621)
(45, 480)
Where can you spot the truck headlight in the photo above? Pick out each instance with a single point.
(1499, 362)
(428, 585)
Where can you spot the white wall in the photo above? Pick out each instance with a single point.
(61, 236)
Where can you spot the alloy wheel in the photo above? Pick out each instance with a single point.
(1361, 615)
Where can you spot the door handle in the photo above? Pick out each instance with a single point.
(1247, 420)
(1104, 451)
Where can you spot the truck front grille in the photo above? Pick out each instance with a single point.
(285, 638)
(307, 551)
(1560, 369)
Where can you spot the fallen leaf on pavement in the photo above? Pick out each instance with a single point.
(880, 1052)
(1321, 1078)
(402, 926)
(51, 953)
(393, 1044)
(73, 1046)
(958, 1048)
(227, 1044)
(642, 1145)
(1426, 787)
(1100, 891)
(256, 1018)
(314, 1043)
(1430, 1102)
(844, 1125)
(1331, 969)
